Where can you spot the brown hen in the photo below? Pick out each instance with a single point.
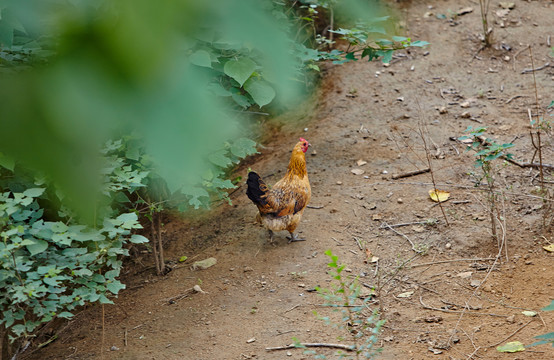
(281, 206)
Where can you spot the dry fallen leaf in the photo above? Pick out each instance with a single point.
(529, 313)
(361, 162)
(464, 275)
(374, 259)
(406, 294)
(439, 195)
(464, 11)
(357, 171)
(549, 248)
(507, 5)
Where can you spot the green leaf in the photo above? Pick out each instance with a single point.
(201, 58)
(387, 56)
(7, 162)
(548, 336)
(196, 193)
(241, 100)
(128, 220)
(220, 159)
(243, 147)
(34, 192)
(65, 315)
(260, 90)
(138, 239)
(115, 286)
(99, 278)
(514, 346)
(240, 69)
(549, 307)
(419, 43)
(37, 247)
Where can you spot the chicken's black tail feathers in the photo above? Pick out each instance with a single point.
(256, 188)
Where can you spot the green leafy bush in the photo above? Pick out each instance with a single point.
(49, 262)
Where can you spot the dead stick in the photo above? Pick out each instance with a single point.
(300, 345)
(411, 173)
(292, 308)
(512, 334)
(404, 236)
(358, 242)
(473, 353)
(449, 261)
(125, 338)
(525, 71)
(457, 312)
(513, 98)
(315, 207)
(410, 223)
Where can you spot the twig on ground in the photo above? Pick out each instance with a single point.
(466, 306)
(456, 311)
(525, 71)
(292, 346)
(513, 98)
(292, 308)
(410, 173)
(516, 55)
(404, 236)
(454, 260)
(470, 356)
(512, 334)
(284, 332)
(315, 207)
(358, 242)
(405, 224)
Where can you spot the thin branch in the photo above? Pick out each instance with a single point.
(300, 345)
(457, 312)
(512, 334)
(449, 261)
(526, 71)
(385, 225)
(411, 173)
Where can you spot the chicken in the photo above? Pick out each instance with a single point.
(281, 207)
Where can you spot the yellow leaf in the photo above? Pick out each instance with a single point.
(549, 248)
(513, 346)
(439, 195)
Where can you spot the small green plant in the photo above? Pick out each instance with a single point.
(487, 151)
(358, 324)
(487, 32)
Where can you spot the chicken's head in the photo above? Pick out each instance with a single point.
(304, 144)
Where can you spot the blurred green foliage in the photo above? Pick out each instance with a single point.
(114, 67)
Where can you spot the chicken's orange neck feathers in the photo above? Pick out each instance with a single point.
(297, 164)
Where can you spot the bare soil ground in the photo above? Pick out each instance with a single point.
(258, 295)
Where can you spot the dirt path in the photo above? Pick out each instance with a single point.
(260, 296)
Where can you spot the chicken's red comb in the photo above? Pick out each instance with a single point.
(302, 139)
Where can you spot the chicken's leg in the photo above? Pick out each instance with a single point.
(294, 237)
(270, 237)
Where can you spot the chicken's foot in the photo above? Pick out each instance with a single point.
(294, 237)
